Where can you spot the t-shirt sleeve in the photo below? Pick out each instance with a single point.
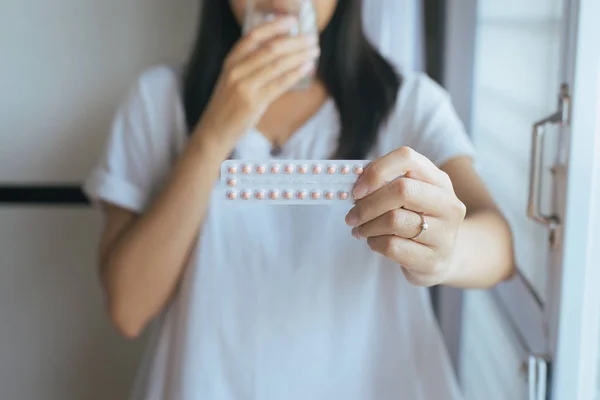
(133, 157)
(438, 133)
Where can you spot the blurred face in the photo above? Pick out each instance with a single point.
(324, 8)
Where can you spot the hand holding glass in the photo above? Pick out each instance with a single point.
(261, 11)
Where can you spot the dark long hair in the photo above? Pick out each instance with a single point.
(363, 85)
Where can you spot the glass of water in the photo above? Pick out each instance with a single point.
(261, 11)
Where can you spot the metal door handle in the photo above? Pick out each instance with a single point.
(537, 378)
(562, 117)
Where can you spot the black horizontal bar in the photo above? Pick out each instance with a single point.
(42, 195)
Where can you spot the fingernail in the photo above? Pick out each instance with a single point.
(360, 191)
(351, 220)
(355, 233)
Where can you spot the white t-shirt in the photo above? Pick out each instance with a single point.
(282, 302)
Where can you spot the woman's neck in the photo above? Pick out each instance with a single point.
(290, 112)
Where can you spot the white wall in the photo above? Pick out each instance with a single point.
(55, 342)
(461, 20)
(65, 66)
(596, 216)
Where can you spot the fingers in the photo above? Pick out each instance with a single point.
(405, 193)
(285, 82)
(405, 224)
(258, 36)
(273, 71)
(418, 260)
(280, 52)
(395, 164)
(268, 64)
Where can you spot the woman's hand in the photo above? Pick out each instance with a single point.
(395, 195)
(261, 67)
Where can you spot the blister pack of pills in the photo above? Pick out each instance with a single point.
(290, 181)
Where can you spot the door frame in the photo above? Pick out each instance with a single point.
(572, 338)
(576, 346)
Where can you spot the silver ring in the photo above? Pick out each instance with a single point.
(424, 226)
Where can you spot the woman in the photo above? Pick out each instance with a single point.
(282, 302)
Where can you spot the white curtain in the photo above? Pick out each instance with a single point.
(397, 28)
